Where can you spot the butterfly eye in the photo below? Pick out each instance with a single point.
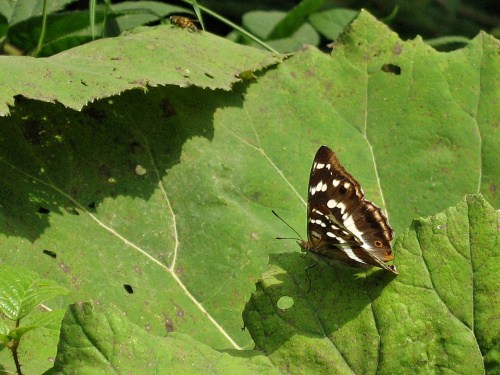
(378, 243)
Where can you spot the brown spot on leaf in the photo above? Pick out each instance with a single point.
(169, 325)
(398, 48)
(65, 268)
(179, 271)
(493, 189)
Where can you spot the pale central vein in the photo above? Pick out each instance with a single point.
(365, 135)
(261, 150)
(170, 209)
(480, 177)
(170, 270)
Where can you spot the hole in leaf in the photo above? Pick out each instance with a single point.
(50, 253)
(128, 288)
(43, 210)
(391, 68)
(72, 211)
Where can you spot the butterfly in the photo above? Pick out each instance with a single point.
(342, 226)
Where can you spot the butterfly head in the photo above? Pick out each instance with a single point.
(304, 245)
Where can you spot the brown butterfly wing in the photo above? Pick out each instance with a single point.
(342, 224)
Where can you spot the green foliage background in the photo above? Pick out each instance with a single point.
(146, 160)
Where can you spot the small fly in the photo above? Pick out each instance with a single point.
(184, 23)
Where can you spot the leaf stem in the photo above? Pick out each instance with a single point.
(14, 347)
(44, 29)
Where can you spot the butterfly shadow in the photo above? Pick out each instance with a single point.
(338, 305)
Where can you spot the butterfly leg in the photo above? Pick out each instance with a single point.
(307, 274)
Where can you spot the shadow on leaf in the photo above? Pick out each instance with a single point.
(337, 309)
(56, 160)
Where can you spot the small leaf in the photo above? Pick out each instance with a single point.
(294, 19)
(261, 24)
(4, 332)
(49, 319)
(332, 22)
(14, 283)
(39, 292)
(17, 333)
(21, 291)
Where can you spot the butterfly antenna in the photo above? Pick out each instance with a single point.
(289, 226)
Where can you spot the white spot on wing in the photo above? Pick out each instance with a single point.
(353, 256)
(319, 186)
(319, 222)
(316, 211)
(351, 226)
(347, 185)
(319, 166)
(335, 183)
(333, 203)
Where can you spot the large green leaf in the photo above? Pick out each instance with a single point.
(160, 202)
(294, 19)
(24, 9)
(332, 22)
(440, 315)
(147, 57)
(262, 23)
(100, 340)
